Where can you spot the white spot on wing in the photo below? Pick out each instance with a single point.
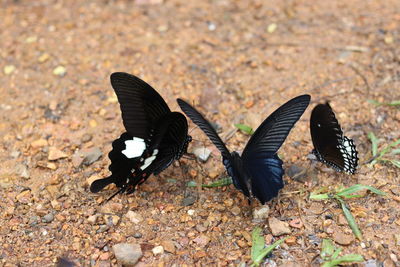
(134, 148)
(149, 160)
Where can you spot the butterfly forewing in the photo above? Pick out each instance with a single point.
(140, 104)
(205, 126)
(270, 135)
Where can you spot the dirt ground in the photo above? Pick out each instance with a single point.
(237, 61)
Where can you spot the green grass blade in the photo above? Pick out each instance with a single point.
(350, 219)
(268, 250)
(374, 102)
(395, 151)
(395, 163)
(344, 259)
(221, 182)
(257, 245)
(374, 142)
(336, 253)
(244, 128)
(319, 196)
(394, 103)
(355, 188)
(327, 249)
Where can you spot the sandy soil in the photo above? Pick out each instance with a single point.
(237, 61)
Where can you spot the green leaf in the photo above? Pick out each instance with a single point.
(350, 219)
(394, 103)
(327, 249)
(221, 182)
(395, 151)
(263, 253)
(374, 142)
(192, 184)
(344, 259)
(336, 253)
(355, 188)
(244, 128)
(258, 244)
(395, 163)
(374, 102)
(319, 196)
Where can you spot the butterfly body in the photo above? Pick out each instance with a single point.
(330, 145)
(154, 136)
(258, 171)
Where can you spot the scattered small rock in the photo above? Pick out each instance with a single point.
(22, 171)
(9, 69)
(134, 217)
(86, 156)
(373, 263)
(296, 223)
(55, 154)
(202, 240)
(48, 218)
(60, 71)
(202, 153)
(291, 240)
(137, 235)
(86, 138)
(127, 254)
(297, 173)
(342, 238)
(158, 250)
(278, 227)
(168, 246)
(397, 239)
(39, 143)
(235, 210)
(188, 201)
(261, 213)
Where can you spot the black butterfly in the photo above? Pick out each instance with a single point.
(330, 145)
(154, 136)
(258, 171)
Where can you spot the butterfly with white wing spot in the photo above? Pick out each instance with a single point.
(330, 145)
(258, 171)
(154, 136)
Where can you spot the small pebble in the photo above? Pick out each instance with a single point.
(48, 218)
(202, 153)
(188, 201)
(60, 71)
(137, 235)
(134, 217)
(261, 213)
(158, 250)
(278, 227)
(127, 254)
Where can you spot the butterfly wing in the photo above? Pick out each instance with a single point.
(141, 106)
(171, 141)
(259, 156)
(331, 147)
(232, 162)
(120, 166)
(273, 131)
(205, 126)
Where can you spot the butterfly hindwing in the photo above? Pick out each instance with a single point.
(330, 145)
